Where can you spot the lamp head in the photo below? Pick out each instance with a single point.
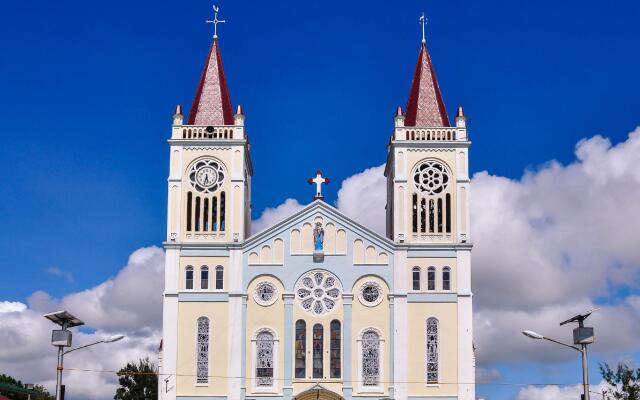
(532, 335)
(114, 338)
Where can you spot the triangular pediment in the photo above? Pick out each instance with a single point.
(294, 235)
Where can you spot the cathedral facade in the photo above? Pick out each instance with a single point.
(317, 306)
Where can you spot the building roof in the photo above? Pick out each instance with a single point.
(425, 107)
(212, 103)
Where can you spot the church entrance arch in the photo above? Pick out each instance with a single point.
(318, 393)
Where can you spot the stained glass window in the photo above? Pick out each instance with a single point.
(432, 350)
(264, 359)
(335, 348)
(301, 348)
(370, 358)
(202, 361)
(318, 338)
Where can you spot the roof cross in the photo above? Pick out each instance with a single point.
(215, 21)
(318, 180)
(423, 22)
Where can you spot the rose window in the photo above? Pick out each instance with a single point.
(265, 293)
(318, 292)
(370, 294)
(431, 177)
(206, 175)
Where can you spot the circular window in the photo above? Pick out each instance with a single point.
(265, 293)
(370, 294)
(318, 292)
(431, 177)
(206, 175)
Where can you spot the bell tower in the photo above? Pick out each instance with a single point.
(210, 173)
(427, 168)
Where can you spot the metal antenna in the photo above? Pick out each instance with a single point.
(423, 22)
(215, 21)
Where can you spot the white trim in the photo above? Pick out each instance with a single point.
(379, 388)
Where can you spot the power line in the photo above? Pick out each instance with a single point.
(349, 381)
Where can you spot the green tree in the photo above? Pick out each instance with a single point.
(624, 381)
(138, 381)
(16, 390)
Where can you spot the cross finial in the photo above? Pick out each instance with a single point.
(318, 180)
(215, 21)
(423, 22)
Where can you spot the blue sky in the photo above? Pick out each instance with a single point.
(88, 90)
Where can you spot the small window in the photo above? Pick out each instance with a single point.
(219, 277)
(204, 277)
(446, 278)
(335, 363)
(416, 278)
(189, 278)
(301, 348)
(431, 278)
(318, 342)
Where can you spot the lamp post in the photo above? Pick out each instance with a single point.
(581, 335)
(62, 338)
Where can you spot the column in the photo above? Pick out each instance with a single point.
(347, 386)
(287, 388)
(392, 328)
(243, 375)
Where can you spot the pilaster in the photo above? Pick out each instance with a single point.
(347, 387)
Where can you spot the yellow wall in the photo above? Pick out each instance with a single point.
(447, 315)
(188, 313)
(196, 263)
(424, 264)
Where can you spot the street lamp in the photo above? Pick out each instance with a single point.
(581, 335)
(62, 338)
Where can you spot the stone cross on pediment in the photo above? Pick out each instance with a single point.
(318, 180)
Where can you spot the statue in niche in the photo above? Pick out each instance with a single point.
(318, 237)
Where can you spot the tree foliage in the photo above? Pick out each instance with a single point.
(624, 381)
(138, 381)
(41, 392)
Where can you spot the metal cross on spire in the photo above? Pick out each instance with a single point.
(215, 21)
(318, 180)
(423, 22)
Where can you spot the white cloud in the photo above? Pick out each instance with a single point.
(555, 392)
(11, 306)
(55, 271)
(129, 304)
(363, 198)
(271, 216)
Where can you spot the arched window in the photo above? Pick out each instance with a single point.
(414, 211)
(335, 348)
(301, 348)
(264, 359)
(415, 277)
(318, 341)
(370, 358)
(189, 197)
(219, 277)
(432, 350)
(222, 211)
(197, 228)
(446, 278)
(202, 355)
(204, 277)
(431, 278)
(447, 201)
(188, 281)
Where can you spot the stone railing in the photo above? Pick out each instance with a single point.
(429, 134)
(201, 132)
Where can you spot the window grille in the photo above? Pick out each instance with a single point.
(202, 362)
(432, 350)
(264, 361)
(370, 358)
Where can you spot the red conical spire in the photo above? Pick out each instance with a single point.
(425, 107)
(212, 103)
